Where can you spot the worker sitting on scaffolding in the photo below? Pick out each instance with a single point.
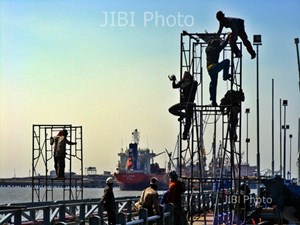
(188, 87)
(231, 106)
(215, 46)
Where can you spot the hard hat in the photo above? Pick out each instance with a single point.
(153, 180)
(110, 180)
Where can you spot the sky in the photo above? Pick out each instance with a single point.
(103, 65)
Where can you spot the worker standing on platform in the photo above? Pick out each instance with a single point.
(238, 30)
(60, 142)
(188, 87)
(176, 189)
(108, 201)
(215, 46)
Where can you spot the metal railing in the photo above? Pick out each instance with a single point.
(87, 211)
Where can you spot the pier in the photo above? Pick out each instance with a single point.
(87, 211)
(90, 211)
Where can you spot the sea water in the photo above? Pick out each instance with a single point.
(10, 195)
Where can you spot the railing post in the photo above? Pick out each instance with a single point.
(129, 209)
(46, 215)
(32, 214)
(82, 212)
(121, 218)
(161, 220)
(95, 220)
(18, 217)
(170, 219)
(143, 214)
(62, 212)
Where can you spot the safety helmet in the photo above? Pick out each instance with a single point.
(110, 180)
(153, 180)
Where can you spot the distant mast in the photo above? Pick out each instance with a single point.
(298, 61)
(298, 163)
(136, 136)
(133, 149)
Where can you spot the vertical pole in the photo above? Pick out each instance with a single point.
(257, 111)
(298, 60)
(247, 141)
(284, 138)
(179, 162)
(280, 137)
(272, 127)
(291, 136)
(214, 146)
(299, 151)
(32, 166)
(257, 41)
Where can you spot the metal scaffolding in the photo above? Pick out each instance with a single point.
(209, 125)
(44, 182)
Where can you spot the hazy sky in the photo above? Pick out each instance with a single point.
(103, 65)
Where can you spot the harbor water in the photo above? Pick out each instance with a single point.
(23, 194)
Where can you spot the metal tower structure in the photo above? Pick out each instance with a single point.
(43, 172)
(209, 125)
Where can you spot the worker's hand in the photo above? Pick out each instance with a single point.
(172, 77)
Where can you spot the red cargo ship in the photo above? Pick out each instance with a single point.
(136, 167)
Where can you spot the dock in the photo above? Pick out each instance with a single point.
(90, 211)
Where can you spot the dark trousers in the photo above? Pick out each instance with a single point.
(242, 34)
(59, 165)
(179, 216)
(177, 110)
(213, 73)
(111, 216)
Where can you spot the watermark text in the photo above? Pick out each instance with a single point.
(132, 19)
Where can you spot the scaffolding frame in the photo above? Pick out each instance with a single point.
(191, 155)
(44, 184)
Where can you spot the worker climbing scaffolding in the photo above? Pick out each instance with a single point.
(231, 106)
(184, 109)
(215, 46)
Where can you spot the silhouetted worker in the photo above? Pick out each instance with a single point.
(60, 142)
(244, 203)
(238, 30)
(188, 87)
(176, 189)
(149, 198)
(215, 46)
(108, 201)
(231, 106)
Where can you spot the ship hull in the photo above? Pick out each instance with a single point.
(139, 181)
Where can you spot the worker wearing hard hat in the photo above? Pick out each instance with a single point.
(108, 201)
